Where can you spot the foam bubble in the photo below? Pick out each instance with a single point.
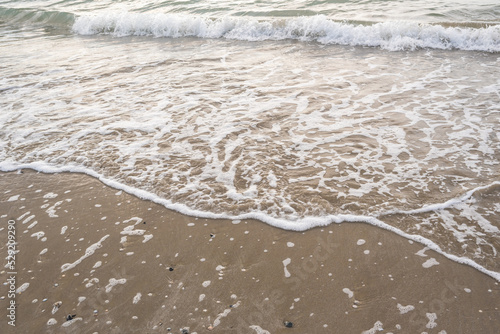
(286, 262)
(225, 313)
(422, 252)
(129, 230)
(113, 282)
(348, 292)
(405, 309)
(432, 320)
(39, 235)
(430, 262)
(378, 326)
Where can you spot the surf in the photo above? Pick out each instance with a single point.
(390, 35)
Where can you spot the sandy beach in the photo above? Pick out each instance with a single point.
(250, 167)
(118, 264)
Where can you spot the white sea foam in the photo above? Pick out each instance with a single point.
(113, 282)
(137, 298)
(135, 220)
(13, 198)
(91, 282)
(23, 215)
(32, 225)
(430, 262)
(422, 252)
(405, 309)
(129, 230)
(320, 142)
(88, 252)
(52, 209)
(224, 314)
(28, 219)
(39, 235)
(442, 206)
(298, 225)
(286, 262)
(378, 326)
(432, 320)
(388, 35)
(310, 119)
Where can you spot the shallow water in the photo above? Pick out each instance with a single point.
(251, 111)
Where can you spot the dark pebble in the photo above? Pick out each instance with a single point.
(144, 222)
(171, 269)
(212, 235)
(288, 324)
(70, 317)
(185, 331)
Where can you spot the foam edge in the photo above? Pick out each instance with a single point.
(299, 225)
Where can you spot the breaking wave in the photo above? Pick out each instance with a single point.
(393, 36)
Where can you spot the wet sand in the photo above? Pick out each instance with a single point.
(120, 264)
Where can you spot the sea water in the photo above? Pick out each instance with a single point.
(296, 113)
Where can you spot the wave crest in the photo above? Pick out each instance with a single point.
(393, 36)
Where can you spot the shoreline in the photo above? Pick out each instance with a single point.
(142, 266)
(274, 222)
